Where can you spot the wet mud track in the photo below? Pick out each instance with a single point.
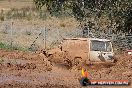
(33, 70)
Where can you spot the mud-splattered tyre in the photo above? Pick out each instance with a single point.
(68, 63)
(77, 61)
(50, 57)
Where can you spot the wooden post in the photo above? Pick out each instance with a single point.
(45, 39)
(12, 34)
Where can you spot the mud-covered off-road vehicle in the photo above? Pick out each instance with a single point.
(75, 51)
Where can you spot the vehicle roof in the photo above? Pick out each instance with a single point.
(85, 39)
(75, 38)
(99, 39)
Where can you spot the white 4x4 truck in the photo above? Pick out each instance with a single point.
(79, 50)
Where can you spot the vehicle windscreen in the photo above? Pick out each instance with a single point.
(101, 46)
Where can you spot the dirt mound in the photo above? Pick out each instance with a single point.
(24, 60)
(121, 69)
(124, 61)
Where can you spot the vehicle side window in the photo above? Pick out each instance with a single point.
(97, 46)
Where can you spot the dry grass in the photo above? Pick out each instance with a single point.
(26, 28)
(25, 32)
(7, 4)
(52, 23)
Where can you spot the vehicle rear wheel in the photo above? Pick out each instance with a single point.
(68, 63)
(78, 62)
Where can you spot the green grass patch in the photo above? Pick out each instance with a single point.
(12, 47)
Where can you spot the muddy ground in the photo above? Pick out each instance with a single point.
(33, 70)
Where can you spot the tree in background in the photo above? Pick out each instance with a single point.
(118, 12)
